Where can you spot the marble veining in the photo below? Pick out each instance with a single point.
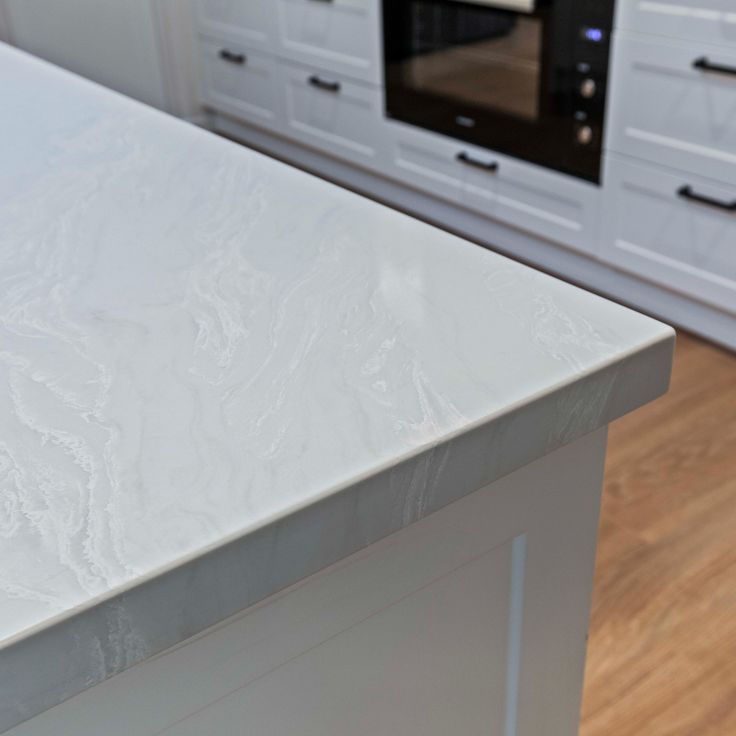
(198, 343)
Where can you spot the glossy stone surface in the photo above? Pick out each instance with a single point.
(219, 374)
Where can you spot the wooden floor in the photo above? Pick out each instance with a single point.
(662, 648)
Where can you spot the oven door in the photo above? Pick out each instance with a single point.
(502, 74)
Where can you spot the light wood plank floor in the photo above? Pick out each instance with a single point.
(662, 648)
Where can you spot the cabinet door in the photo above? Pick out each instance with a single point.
(425, 161)
(340, 35)
(240, 81)
(548, 204)
(252, 22)
(675, 104)
(551, 205)
(332, 113)
(672, 228)
(711, 21)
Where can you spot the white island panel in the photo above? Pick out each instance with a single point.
(219, 375)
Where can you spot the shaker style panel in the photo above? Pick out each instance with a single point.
(434, 164)
(252, 22)
(672, 228)
(527, 197)
(340, 35)
(242, 82)
(555, 207)
(710, 21)
(675, 104)
(332, 113)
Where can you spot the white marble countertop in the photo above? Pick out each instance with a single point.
(219, 374)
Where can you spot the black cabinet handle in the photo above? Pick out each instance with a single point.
(232, 57)
(687, 192)
(705, 65)
(328, 85)
(466, 158)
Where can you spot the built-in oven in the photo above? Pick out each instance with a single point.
(522, 77)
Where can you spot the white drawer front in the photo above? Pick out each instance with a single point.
(332, 113)
(247, 89)
(425, 161)
(340, 35)
(252, 22)
(651, 230)
(711, 21)
(527, 197)
(667, 109)
(551, 205)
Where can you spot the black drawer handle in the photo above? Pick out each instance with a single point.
(232, 57)
(686, 192)
(329, 85)
(466, 158)
(708, 66)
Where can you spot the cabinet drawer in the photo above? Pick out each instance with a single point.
(711, 21)
(681, 243)
(551, 205)
(240, 81)
(340, 35)
(668, 109)
(425, 161)
(333, 113)
(251, 22)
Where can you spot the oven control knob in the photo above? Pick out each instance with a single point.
(585, 135)
(588, 88)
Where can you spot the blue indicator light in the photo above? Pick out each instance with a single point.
(593, 34)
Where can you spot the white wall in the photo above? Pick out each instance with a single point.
(139, 47)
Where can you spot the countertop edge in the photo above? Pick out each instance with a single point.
(50, 663)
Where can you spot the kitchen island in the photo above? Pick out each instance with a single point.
(275, 458)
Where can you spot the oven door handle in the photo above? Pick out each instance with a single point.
(465, 158)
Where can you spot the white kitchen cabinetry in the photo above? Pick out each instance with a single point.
(252, 22)
(332, 112)
(242, 82)
(674, 103)
(339, 35)
(652, 234)
(659, 224)
(670, 174)
(709, 21)
(328, 60)
(470, 621)
(528, 197)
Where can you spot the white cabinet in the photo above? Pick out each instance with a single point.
(710, 21)
(241, 81)
(332, 112)
(674, 103)
(425, 161)
(548, 204)
(471, 621)
(251, 22)
(339, 35)
(527, 197)
(675, 229)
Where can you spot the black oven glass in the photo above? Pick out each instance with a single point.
(486, 57)
(529, 82)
